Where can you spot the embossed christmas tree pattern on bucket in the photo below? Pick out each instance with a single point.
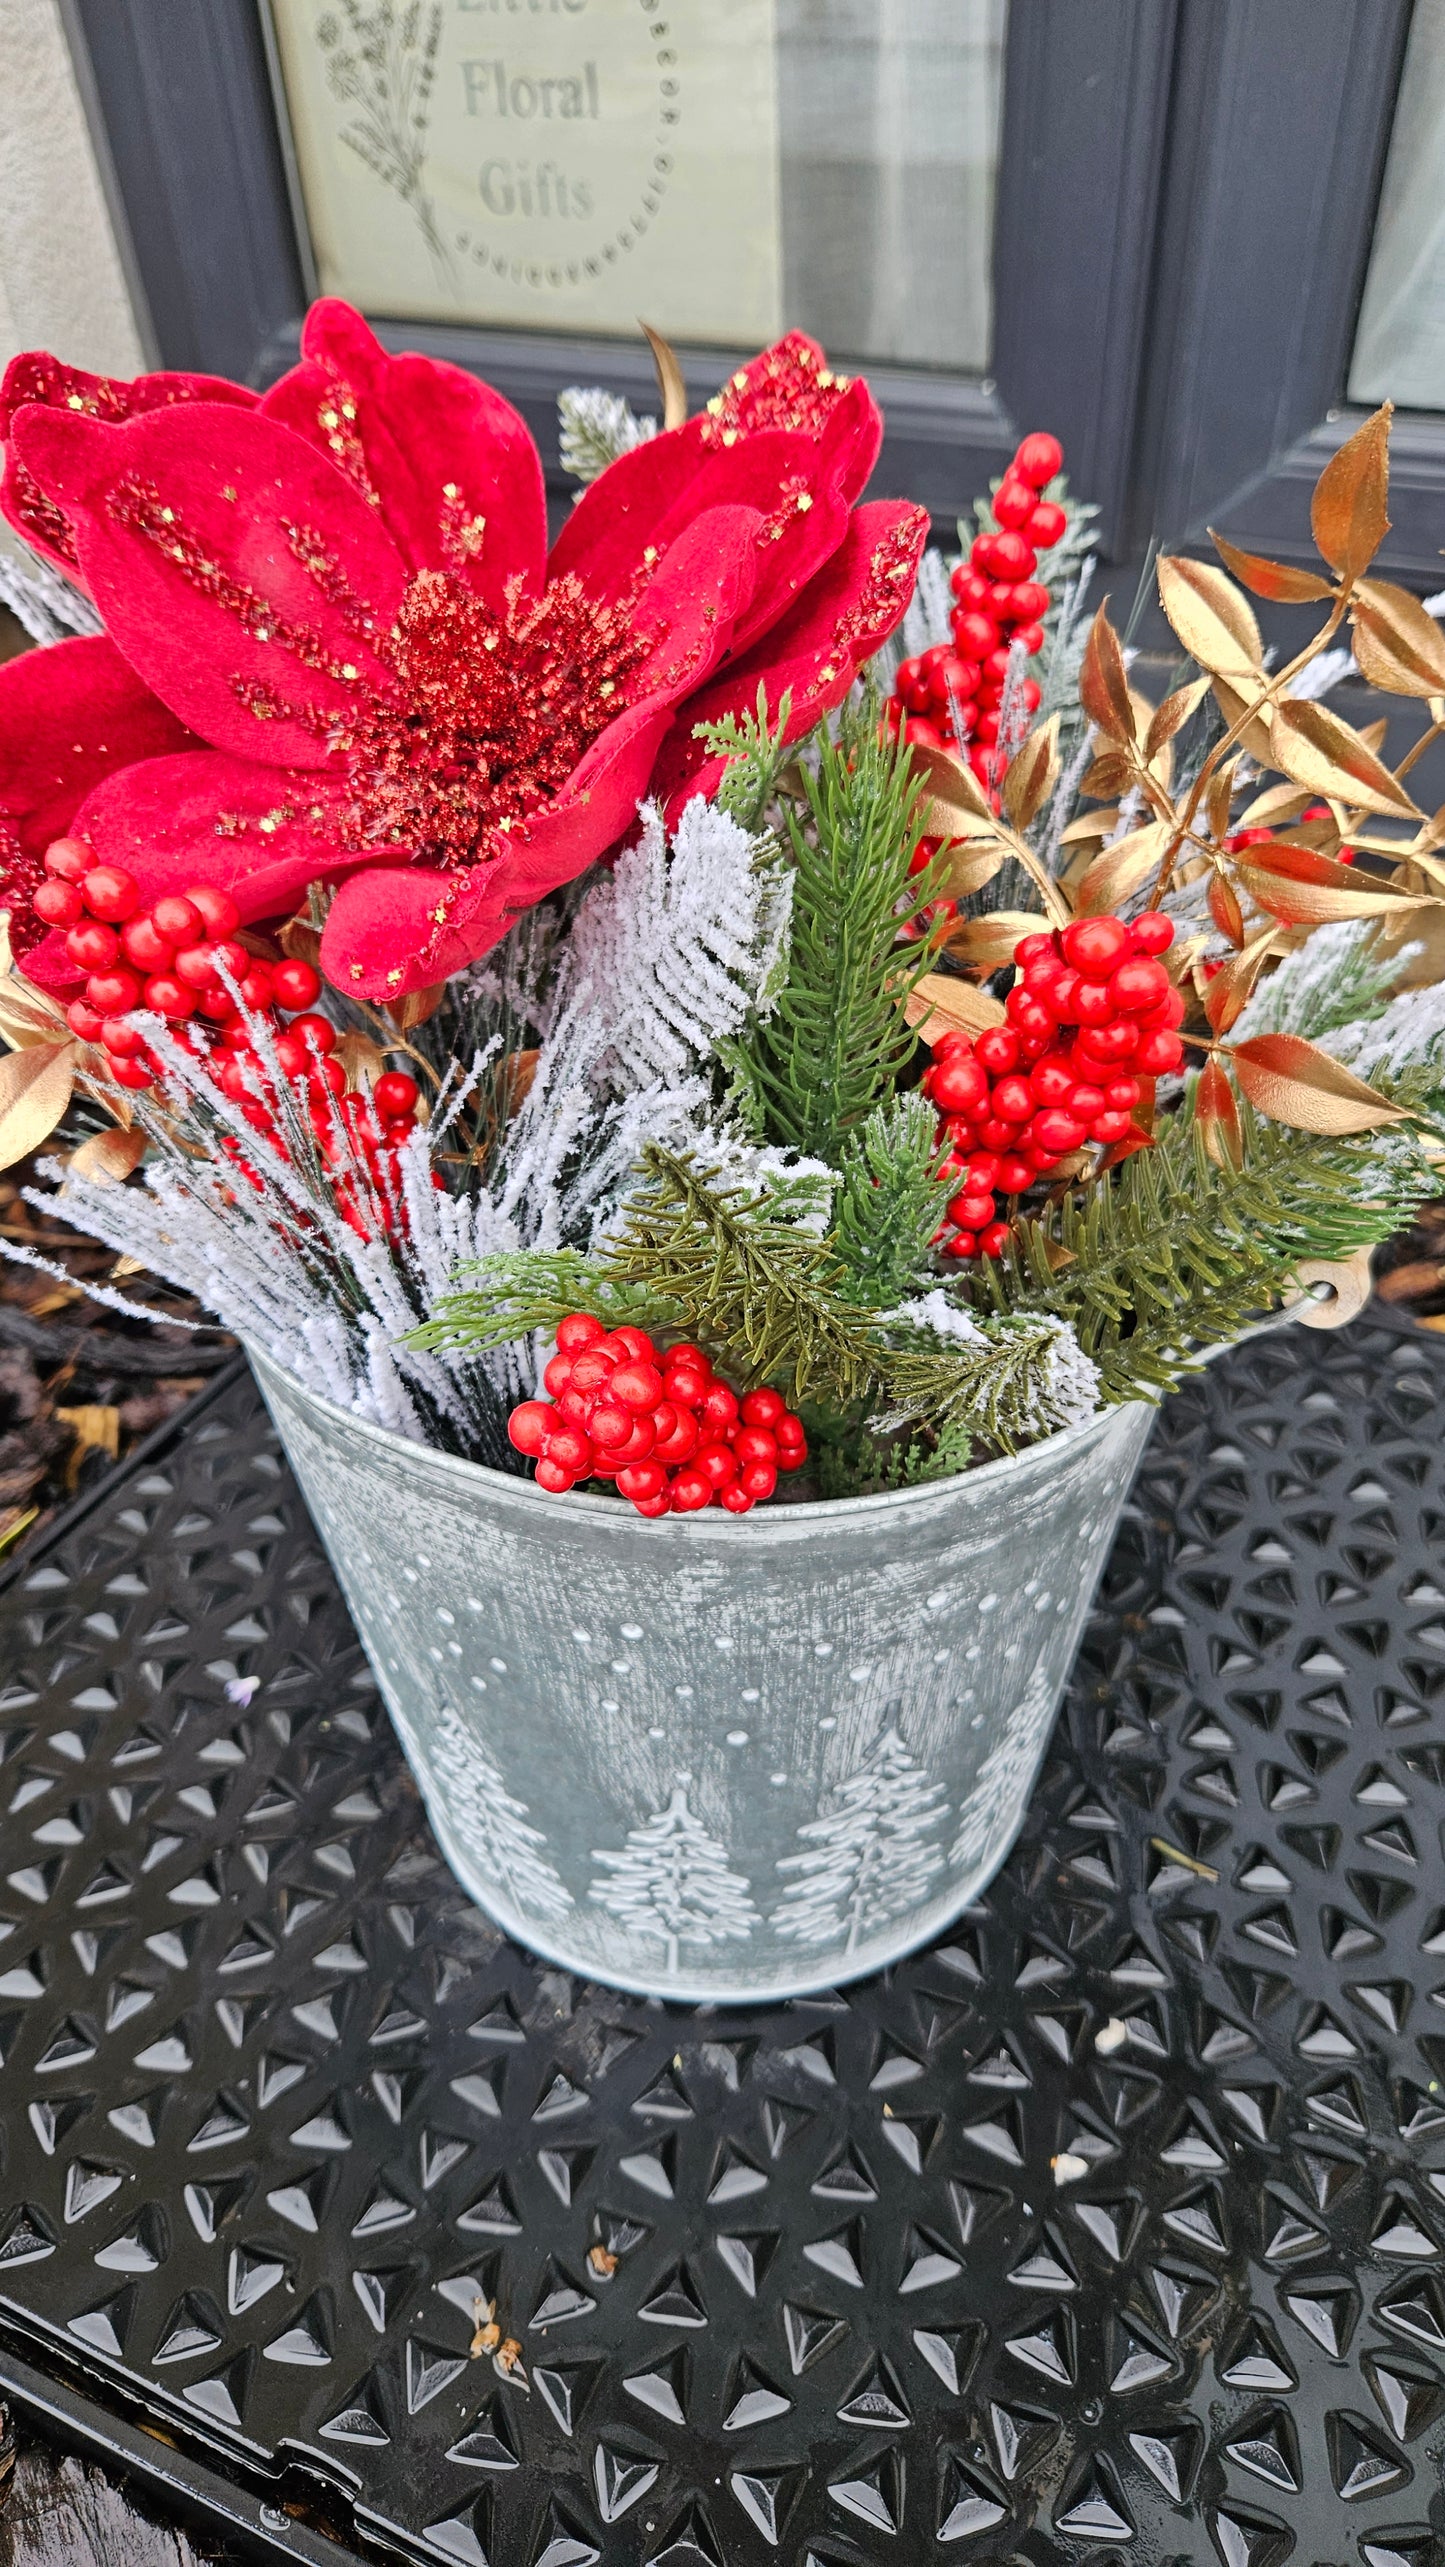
(671, 1883)
(867, 1856)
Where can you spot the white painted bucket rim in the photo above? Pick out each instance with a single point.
(711, 1523)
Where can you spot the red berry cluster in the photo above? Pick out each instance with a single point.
(672, 1436)
(954, 692)
(1090, 1018)
(171, 959)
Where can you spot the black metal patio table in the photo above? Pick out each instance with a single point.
(1108, 2230)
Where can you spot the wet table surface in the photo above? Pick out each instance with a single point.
(1107, 2230)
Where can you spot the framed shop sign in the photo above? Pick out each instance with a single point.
(514, 183)
(557, 167)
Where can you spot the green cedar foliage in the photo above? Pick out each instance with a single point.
(854, 1462)
(756, 754)
(764, 1297)
(1173, 1252)
(889, 1203)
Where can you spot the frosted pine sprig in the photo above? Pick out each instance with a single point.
(50, 609)
(1337, 980)
(594, 428)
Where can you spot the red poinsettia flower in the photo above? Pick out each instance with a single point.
(339, 652)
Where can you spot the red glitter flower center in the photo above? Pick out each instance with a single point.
(490, 717)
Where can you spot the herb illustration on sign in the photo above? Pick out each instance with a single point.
(385, 75)
(563, 164)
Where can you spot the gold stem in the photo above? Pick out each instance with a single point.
(1418, 751)
(1240, 725)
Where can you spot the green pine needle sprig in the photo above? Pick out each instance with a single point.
(837, 1040)
(765, 1298)
(1174, 1253)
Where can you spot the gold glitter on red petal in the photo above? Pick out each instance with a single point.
(491, 715)
(876, 606)
(137, 505)
(789, 386)
(336, 419)
(38, 515)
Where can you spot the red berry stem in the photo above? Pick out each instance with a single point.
(183, 960)
(954, 692)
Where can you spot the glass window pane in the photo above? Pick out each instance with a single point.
(1400, 342)
(723, 167)
(889, 118)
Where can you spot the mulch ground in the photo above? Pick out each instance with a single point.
(80, 1384)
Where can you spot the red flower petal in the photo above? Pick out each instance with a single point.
(39, 377)
(448, 464)
(206, 818)
(49, 965)
(791, 385)
(644, 500)
(817, 650)
(390, 930)
(201, 528)
(69, 715)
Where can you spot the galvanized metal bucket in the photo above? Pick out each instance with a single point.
(716, 1757)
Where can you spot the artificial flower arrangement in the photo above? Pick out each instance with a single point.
(739, 1006)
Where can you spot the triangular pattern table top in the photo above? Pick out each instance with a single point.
(1108, 2230)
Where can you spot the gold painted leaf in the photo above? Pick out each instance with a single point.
(1104, 682)
(966, 868)
(1122, 868)
(953, 787)
(1219, 797)
(1348, 510)
(934, 819)
(35, 1089)
(990, 940)
(1398, 646)
(301, 941)
(360, 1057)
(1109, 775)
(1308, 889)
(1172, 715)
(27, 1017)
(1294, 1082)
(1225, 910)
(1277, 580)
(940, 1003)
(417, 1007)
(1033, 773)
(109, 1156)
(1227, 994)
(669, 377)
(1217, 1116)
(1213, 620)
(1314, 747)
(1272, 809)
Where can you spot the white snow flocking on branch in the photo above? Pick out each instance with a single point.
(594, 428)
(50, 609)
(1410, 1034)
(1068, 1387)
(668, 956)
